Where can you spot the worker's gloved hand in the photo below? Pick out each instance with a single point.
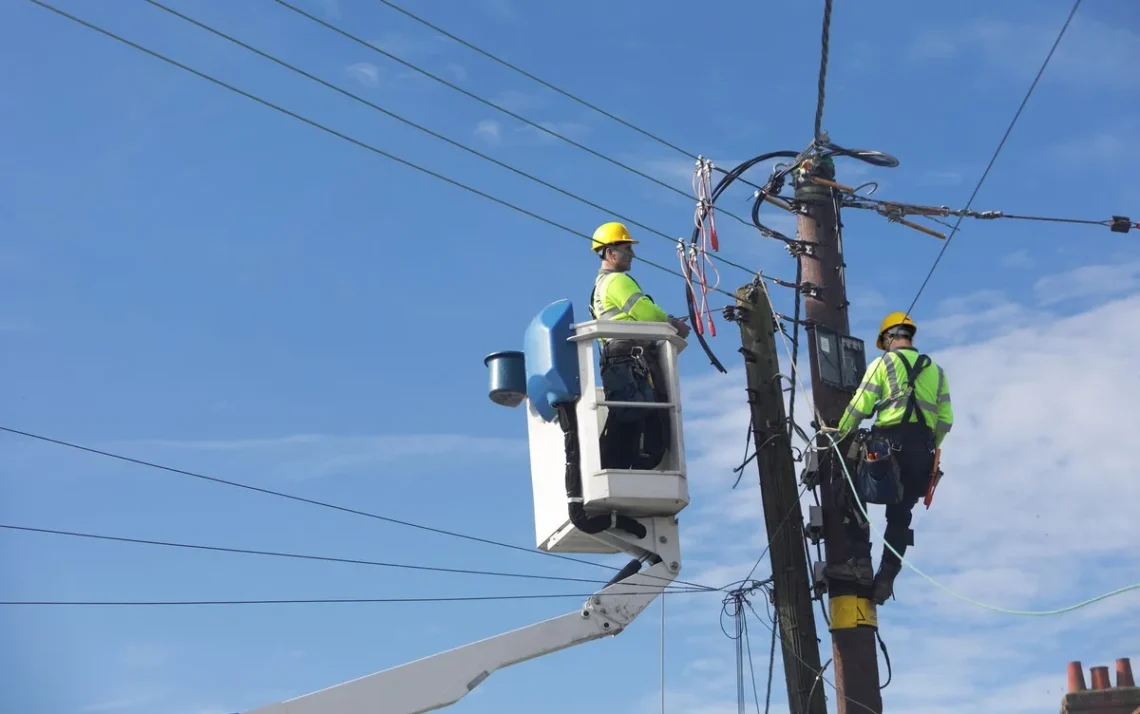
(680, 326)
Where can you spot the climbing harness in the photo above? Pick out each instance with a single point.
(879, 476)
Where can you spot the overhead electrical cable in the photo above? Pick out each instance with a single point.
(311, 501)
(546, 130)
(301, 556)
(817, 673)
(420, 127)
(997, 152)
(589, 105)
(338, 134)
(309, 601)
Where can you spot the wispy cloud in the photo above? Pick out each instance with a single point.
(520, 102)
(1091, 281)
(456, 71)
(490, 131)
(331, 8)
(502, 9)
(1092, 53)
(569, 129)
(308, 456)
(1018, 259)
(366, 73)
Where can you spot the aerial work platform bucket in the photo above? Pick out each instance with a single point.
(566, 415)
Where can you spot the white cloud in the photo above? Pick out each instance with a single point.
(979, 314)
(1029, 516)
(457, 71)
(306, 456)
(489, 131)
(519, 102)
(568, 129)
(940, 178)
(1018, 259)
(366, 73)
(1097, 281)
(409, 46)
(1092, 53)
(503, 9)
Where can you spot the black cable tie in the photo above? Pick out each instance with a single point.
(1122, 224)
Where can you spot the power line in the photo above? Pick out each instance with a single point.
(487, 102)
(300, 556)
(1118, 224)
(825, 42)
(308, 75)
(589, 105)
(309, 601)
(309, 501)
(341, 135)
(817, 673)
(997, 152)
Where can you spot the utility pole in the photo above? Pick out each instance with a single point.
(837, 364)
(778, 488)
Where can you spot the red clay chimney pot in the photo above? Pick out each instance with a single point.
(1100, 678)
(1076, 677)
(1124, 673)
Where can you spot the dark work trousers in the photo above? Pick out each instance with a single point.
(634, 438)
(915, 456)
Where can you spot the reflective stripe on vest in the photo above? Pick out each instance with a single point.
(597, 300)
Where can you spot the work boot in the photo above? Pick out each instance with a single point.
(885, 580)
(856, 569)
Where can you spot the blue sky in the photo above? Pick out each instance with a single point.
(192, 278)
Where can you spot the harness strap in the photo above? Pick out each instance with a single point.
(912, 372)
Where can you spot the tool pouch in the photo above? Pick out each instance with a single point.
(879, 478)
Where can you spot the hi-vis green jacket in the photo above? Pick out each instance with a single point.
(886, 388)
(617, 296)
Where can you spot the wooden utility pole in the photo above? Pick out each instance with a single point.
(836, 362)
(778, 488)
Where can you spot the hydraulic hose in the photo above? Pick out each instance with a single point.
(568, 420)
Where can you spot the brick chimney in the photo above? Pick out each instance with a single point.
(1101, 697)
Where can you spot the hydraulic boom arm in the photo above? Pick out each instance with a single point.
(440, 680)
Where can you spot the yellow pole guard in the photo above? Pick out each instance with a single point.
(851, 611)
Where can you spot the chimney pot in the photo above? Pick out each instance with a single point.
(1100, 678)
(1076, 677)
(1124, 673)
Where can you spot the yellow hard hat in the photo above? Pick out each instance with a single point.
(895, 319)
(611, 234)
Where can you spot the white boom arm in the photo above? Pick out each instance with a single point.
(440, 680)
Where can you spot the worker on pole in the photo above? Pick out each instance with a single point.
(633, 438)
(911, 396)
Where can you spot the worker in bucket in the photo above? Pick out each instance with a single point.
(910, 395)
(633, 438)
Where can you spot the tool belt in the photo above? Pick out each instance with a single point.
(617, 349)
(628, 376)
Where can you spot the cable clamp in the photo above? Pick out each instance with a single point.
(810, 290)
